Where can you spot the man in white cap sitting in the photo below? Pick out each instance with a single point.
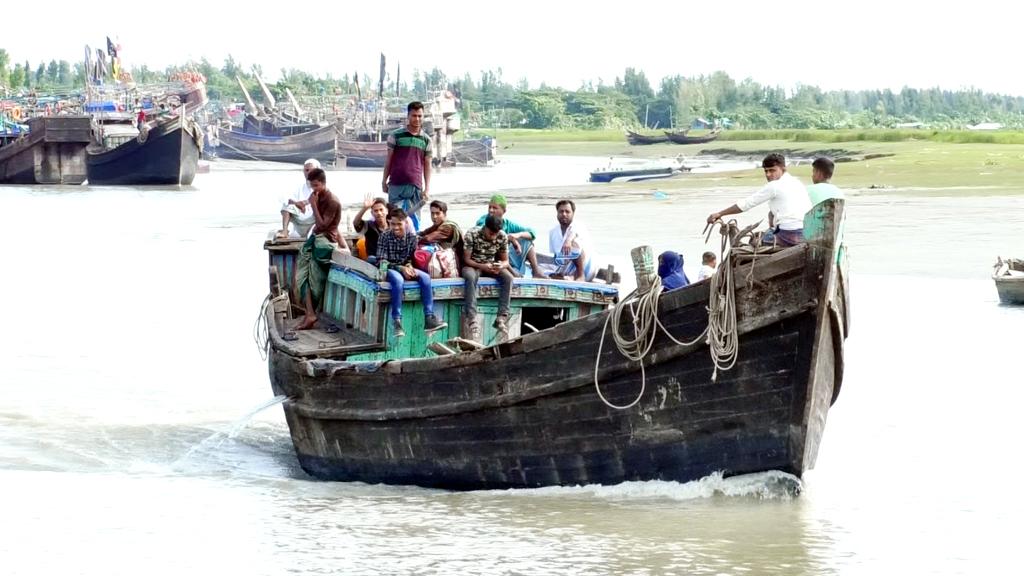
(295, 209)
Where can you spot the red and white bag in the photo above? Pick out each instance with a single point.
(443, 264)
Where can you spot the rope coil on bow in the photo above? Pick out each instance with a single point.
(720, 334)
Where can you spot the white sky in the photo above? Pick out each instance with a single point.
(853, 45)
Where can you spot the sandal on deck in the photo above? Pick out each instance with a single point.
(289, 336)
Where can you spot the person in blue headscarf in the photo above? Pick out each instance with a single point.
(670, 269)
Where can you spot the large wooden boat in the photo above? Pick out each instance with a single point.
(363, 406)
(359, 154)
(282, 124)
(1009, 278)
(167, 153)
(51, 152)
(293, 149)
(637, 139)
(474, 152)
(683, 138)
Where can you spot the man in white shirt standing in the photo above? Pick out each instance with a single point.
(787, 202)
(295, 209)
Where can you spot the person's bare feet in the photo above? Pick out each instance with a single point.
(307, 323)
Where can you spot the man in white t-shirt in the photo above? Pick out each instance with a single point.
(787, 202)
(570, 244)
(295, 209)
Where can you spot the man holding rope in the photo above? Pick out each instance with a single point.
(787, 203)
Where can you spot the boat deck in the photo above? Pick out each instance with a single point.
(326, 339)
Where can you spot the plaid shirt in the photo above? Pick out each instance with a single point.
(394, 249)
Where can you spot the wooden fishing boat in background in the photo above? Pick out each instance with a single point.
(165, 154)
(527, 412)
(474, 152)
(638, 139)
(683, 138)
(361, 154)
(1009, 278)
(293, 149)
(51, 152)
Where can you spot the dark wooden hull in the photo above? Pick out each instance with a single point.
(288, 126)
(294, 149)
(477, 152)
(168, 156)
(53, 152)
(363, 154)
(1011, 288)
(525, 413)
(643, 140)
(630, 175)
(682, 138)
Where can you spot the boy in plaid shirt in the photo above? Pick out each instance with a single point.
(395, 249)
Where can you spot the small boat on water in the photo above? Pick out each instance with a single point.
(559, 402)
(165, 152)
(635, 172)
(637, 139)
(1009, 278)
(683, 138)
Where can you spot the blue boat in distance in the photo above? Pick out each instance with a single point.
(635, 172)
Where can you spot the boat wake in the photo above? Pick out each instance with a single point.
(771, 485)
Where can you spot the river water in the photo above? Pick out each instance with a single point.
(128, 374)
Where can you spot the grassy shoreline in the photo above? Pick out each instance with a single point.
(947, 161)
(531, 136)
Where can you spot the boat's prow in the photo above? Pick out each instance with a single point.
(1008, 276)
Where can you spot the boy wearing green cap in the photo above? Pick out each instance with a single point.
(520, 238)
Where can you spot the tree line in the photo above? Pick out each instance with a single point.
(629, 101)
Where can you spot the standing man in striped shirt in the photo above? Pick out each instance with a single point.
(407, 169)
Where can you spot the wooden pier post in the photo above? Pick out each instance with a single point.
(643, 266)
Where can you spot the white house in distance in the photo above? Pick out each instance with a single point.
(986, 126)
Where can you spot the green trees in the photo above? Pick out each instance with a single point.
(488, 100)
(5, 61)
(17, 77)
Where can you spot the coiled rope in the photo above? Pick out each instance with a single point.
(720, 334)
(261, 330)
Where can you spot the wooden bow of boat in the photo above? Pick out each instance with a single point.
(1008, 276)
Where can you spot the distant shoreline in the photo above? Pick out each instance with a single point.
(919, 166)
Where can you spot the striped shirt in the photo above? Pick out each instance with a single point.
(409, 151)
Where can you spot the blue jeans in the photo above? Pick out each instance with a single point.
(397, 282)
(408, 197)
